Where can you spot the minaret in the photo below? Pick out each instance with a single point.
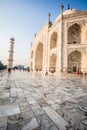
(49, 17)
(11, 51)
(61, 11)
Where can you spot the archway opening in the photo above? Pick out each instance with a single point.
(74, 61)
(39, 57)
(52, 66)
(74, 34)
(53, 41)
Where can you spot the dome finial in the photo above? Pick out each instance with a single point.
(61, 8)
(49, 17)
(12, 38)
(68, 6)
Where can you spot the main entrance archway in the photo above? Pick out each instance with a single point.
(74, 61)
(39, 57)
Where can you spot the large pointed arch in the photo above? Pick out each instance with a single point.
(74, 34)
(39, 57)
(53, 40)
(52, 64)
(74, 61)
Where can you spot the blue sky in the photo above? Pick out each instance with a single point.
(22, 18)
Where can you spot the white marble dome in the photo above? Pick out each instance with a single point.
(67, 12)
(70, 11)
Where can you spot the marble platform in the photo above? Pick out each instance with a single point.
(33, 101)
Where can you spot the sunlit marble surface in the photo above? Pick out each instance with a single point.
(33, 101)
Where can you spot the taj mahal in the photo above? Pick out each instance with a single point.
(61, 46)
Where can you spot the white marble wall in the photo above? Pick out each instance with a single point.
(62, 49)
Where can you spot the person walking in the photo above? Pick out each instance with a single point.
(46, 73)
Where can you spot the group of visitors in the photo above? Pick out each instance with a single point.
(46, 73)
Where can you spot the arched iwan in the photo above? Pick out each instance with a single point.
(74, 34)
(74, 61)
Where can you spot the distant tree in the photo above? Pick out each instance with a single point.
(2, 67)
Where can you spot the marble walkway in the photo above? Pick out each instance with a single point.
(37, 102)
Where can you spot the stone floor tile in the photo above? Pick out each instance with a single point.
(35, 106)
(25, 108)
(30, 125)
(84, 122)
(48, 126)
(27, 115)
(13, 119)
(50, 102)
(75, 119)
(46, 123)
(72, 100)
(3, 128)
(32, 101)
(8, 110)
(56, 118)
(57, 100)
(3, 122)
(83, 126)
(4, 95)
(42, 102)
(55, 106)
(19, 92)
(38, 112)
(4, 101)
(13, 92)
(23, 103)
(71, 129)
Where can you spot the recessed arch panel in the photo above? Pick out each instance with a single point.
(39, 57)
(53, 41)
(52, 64)
(74, 34)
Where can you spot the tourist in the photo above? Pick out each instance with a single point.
(46, 73)
(9, 70)
(78, 72)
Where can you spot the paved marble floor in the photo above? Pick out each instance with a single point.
(37, 102)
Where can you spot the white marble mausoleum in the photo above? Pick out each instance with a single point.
(61, 46)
